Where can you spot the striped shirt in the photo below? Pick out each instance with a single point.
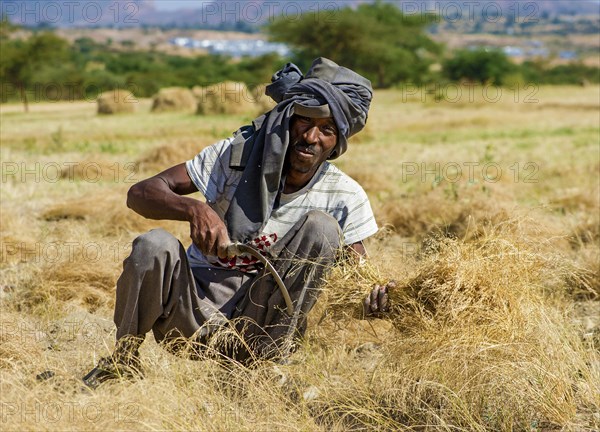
(330, 191)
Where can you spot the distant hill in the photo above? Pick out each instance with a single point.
(213, 14)
(531, 9)
(248, 15)
(49, 13)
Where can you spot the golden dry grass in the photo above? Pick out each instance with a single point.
(473, 319)
(263, 102)
(495, 314)
(166, 156)
(227, 97)
(116, 101)
(174, 99)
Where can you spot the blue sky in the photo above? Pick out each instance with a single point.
(197, 4)
(178, 4)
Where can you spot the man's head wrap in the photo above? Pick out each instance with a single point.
(347, 94)
(260, 149)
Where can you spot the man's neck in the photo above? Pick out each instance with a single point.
(294, 180)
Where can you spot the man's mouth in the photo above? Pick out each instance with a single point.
(304, 150)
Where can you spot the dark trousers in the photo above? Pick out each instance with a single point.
(159, 291)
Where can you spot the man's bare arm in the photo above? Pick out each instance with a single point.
(162, 197)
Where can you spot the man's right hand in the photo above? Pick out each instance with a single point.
(162, 197)
(207, 230)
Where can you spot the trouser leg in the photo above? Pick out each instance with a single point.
(157, 291)
(301, 257)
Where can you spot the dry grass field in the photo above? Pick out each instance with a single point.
(490, 225)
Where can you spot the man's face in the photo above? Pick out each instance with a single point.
(312, 140)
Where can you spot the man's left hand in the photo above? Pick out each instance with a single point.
(378, 302)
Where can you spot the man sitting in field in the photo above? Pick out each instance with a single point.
(269, 186)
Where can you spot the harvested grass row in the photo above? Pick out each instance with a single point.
(84, 276)
(492, 271)
(98, 170)
(478, 333)
(18, 235)
(108, 218)
(18, 341)
(166, 156)
(456, 210)
(231, 98)
(81, 260)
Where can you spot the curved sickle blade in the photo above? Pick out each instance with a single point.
(239, 248)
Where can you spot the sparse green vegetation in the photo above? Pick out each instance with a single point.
(377, 40)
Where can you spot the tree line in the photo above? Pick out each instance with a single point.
(47, 67)
(376, 40)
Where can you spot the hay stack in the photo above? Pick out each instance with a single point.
(198, 92)
(262, 102)
(227, 97)
(174, 99)
(116, 102)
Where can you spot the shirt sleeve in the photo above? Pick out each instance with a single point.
(359, 221)
(210, 171)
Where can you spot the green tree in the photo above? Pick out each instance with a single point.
(376, 40)
(541, 72)
(6, 27)
(482, 65)
(22, 61)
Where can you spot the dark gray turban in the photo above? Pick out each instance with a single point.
(259, 149)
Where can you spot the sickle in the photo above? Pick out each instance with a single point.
(239, 248)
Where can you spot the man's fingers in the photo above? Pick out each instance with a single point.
(211, 243)
(378, 300)
(222, 244)
(222, 250)
(373, 299)
(367, 305)
(198, 240)
(208, 242)
(382, 298)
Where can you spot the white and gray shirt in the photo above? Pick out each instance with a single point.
(330, 191)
